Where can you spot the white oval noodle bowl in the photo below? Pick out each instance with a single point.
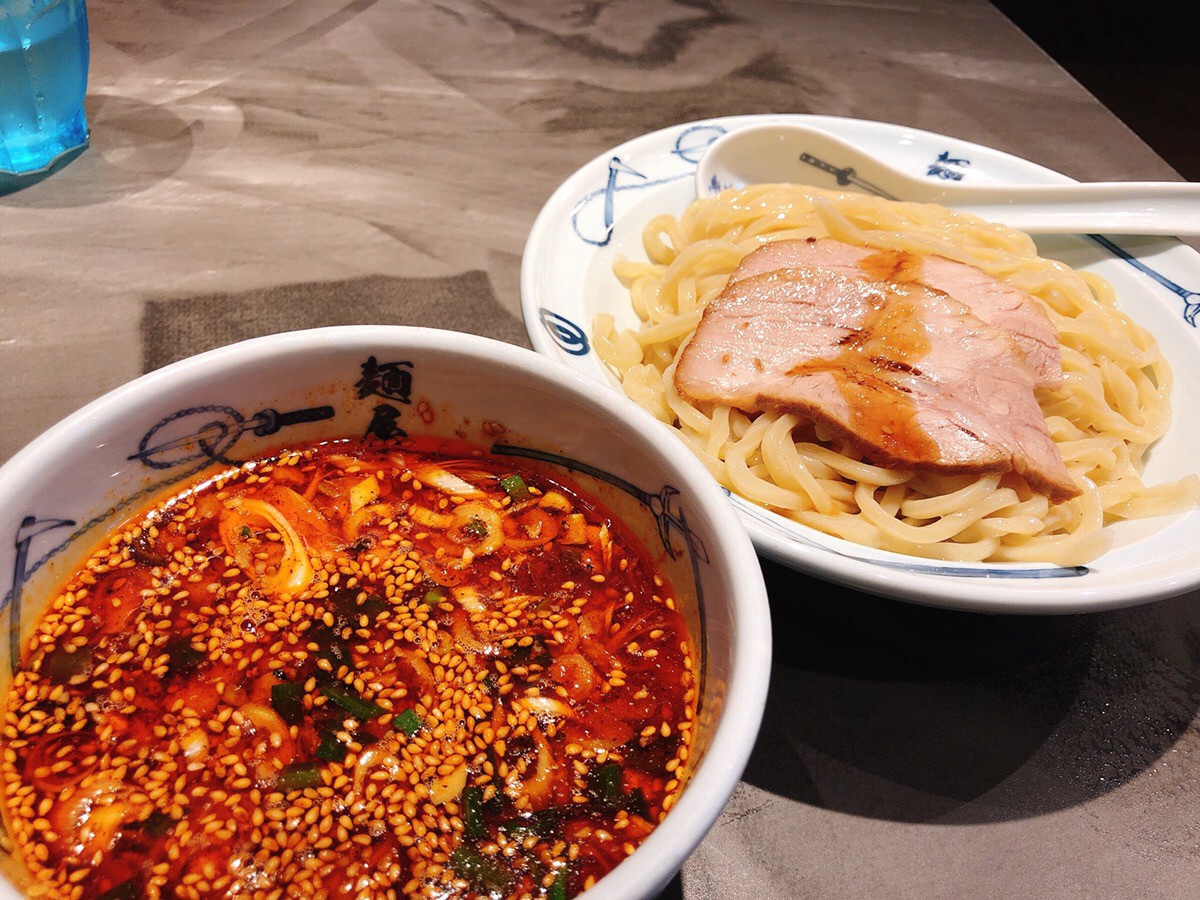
(567, 279)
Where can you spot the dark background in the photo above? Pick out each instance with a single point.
(1141, 60)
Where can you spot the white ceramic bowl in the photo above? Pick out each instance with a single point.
(63, 491)
(598, 214)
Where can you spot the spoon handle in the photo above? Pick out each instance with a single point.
(1171, 208)
(781, 151)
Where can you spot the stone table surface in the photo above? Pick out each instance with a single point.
(276, 164)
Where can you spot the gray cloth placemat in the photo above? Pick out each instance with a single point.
(176, 328)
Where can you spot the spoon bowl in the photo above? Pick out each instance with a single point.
(777, 152)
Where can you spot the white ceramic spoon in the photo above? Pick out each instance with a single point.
(779, 152)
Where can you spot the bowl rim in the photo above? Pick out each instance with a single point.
(658, 858)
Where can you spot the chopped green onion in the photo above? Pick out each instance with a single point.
(472, 811)
(299, 776)
(479, 870)
(362, 709)
(157, 824)
(341, 601)
(331, 749)
(515, 487)
(518, 831)
(543, 823)
(61, 666)
(408, 722)
(183, 656)
(246, 532)
(636, 803)
(521, 652)
(609, 791)
(476, 529)
(287, 700)
(187, 658)
(606, 781)
(372, 607)
(344, 604)
(435, 595)
(558, 890)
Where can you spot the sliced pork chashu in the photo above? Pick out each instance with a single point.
(993, 301)
(909, 375)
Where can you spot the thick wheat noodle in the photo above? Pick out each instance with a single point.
(1112, 406)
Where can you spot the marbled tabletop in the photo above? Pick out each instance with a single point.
(267, 165)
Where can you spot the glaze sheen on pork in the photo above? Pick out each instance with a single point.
(911, 376)
(993, 301)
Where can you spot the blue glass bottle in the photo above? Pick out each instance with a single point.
(43, 78)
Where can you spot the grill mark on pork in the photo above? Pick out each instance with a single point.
(993, 301)
(911, 377)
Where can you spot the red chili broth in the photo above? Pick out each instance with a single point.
(425, 699)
